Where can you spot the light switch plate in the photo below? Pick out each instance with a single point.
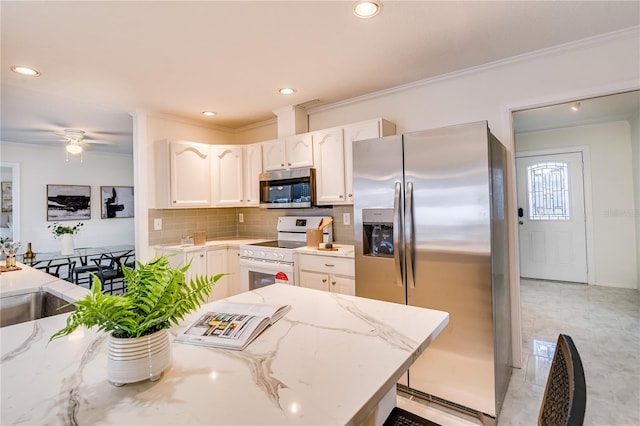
(346, 219)
(157, 224)
(241, 217)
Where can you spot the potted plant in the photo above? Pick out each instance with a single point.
(157, 297)
(67, 233)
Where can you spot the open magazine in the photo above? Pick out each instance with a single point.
(232, 325)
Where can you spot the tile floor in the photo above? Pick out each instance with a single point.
(603, 322)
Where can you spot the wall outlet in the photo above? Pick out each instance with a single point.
(240, 217)
(157, 224)
(346, 219)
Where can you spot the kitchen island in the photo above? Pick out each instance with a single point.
(333, 359)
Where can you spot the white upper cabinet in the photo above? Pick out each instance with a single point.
(290, 152)
(328, 152)
(369, 129)
(333, 155)
(252, 170)
(227, 175)
(299, 150)
(183, 174)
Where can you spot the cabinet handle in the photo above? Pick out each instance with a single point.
(289, 163)
(350, 195)
(282, 164)
(329, 265)
(341, 196)
(333, 283)
(202, 255)
(324, 280)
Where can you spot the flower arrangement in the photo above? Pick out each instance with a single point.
(59, 229)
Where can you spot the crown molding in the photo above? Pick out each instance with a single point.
(631, 32)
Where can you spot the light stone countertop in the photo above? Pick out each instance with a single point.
(332, 360)
(344, 250)
(221, 243)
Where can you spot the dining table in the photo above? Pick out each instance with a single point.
(81, 254)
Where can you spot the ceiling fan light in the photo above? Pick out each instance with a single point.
(74, 149)
(575, 106)
(366, 9)
(208, 113)
(287, 91)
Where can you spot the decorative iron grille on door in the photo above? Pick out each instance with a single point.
(548, 191)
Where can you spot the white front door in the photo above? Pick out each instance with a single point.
(551, 217)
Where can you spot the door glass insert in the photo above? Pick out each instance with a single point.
(548, 191)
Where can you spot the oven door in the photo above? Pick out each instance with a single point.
(259, 273)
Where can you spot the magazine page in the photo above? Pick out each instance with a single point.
(232, 325)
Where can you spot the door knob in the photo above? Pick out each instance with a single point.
(521, 222)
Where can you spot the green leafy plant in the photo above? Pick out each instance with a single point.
(157, 296)
(59, 229)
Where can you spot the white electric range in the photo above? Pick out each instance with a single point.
(273, 262)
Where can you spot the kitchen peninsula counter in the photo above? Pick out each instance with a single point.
(331, 360)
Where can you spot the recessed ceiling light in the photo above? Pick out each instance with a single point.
(26, 71)
(287, 91)
(575, 106)
(208, 113)
(367, 9)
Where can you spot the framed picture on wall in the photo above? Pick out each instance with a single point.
(68, 202)
(117, 201)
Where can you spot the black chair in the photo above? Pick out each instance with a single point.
(110, 271)
(58, 268)
(82, 274)
(565, 396)
(401, 417)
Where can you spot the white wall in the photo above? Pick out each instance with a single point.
(635, 149)
(40, 166)
(612, 189)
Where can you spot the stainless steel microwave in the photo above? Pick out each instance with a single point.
(287, 189)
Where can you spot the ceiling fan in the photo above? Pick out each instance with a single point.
(76, 140)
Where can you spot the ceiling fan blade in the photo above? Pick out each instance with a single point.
(94, 141)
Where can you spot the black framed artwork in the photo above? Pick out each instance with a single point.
(117, 201)
(68, 202)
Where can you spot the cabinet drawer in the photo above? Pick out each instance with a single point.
(327, 264)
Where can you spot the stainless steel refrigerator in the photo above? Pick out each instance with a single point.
(430, 231)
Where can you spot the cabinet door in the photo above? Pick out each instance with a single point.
(198, 264)
(227, 182)
(354, 132)
(273, 155)
(190, 174)
(314, 280)
(342, 285)
(217, 264)
(252, 170)
(329, 161)
(299, 150)
(233, 267)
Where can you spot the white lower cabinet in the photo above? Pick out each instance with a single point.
(334, 274)
(233, 267)
(179, 258)
(217, 264)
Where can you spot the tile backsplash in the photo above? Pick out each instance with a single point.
(223, 222)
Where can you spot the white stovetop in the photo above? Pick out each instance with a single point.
(329, 361)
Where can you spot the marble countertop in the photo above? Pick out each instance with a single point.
(222, 243)
(28, 280)
(344, 250)
(329, 361)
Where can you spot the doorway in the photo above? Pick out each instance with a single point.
(551, 216)
(606, 130)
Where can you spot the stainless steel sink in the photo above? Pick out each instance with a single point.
(31, 306)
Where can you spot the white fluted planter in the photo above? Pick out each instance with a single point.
(67, 244)
(136, 359)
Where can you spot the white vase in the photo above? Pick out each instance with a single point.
(67, 244)
(136, 359)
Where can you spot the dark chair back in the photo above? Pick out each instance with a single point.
(565, 396)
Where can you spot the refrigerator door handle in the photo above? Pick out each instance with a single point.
(409, 237)
(398, 233)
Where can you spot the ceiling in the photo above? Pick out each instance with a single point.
(102, 60)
